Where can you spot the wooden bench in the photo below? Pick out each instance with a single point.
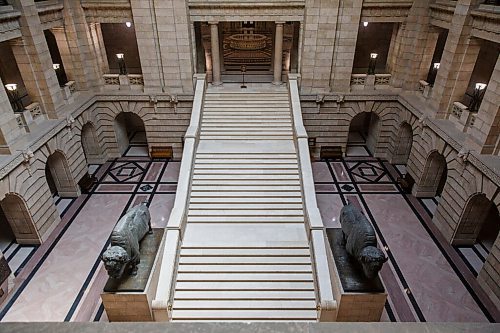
(406, 182)
(161, 152)
(330, 152)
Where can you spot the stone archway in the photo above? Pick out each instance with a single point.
(60, 177)
(128, 126)
(19, 219)
(90, 145)
(480, 219)
(433, 178)
(364, 129)
(403, 144)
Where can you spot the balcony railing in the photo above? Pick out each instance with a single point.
(461, 116)
(123, 82)
(364, 81)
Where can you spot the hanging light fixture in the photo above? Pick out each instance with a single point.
(365, 24)
(128, 24)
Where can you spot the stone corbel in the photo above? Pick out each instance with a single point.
(27, 156)
(339, 99)
(463, 156)
(320, 100)
(70, 123)
(153, 99)
(174, 101)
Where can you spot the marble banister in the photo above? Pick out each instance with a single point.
(326, 303)
(161, 302)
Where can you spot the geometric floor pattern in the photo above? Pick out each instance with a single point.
(426, 279)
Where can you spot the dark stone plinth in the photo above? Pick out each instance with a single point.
(4, 270)
(350, 271)
(137, 283)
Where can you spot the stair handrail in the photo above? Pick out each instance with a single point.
(162, 298)
(322, 261)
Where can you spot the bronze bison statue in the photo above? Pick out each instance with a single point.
(125, 238)
(360, 241)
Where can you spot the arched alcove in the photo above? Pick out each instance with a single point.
(402, 144)
(364, 129)
(127, 126)
(16, 218)
(59, 177)
(480, 221)
(434, 176)
(90, 145)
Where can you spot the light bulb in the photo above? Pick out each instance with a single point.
(373, 55)
(436, 65)
(128, 24)
(365, 24)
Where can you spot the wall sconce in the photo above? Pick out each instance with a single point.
(372, 63)
(477, 97)
(121, 63)
(57, 68)
(15, 101)
(433, 73)
(365, 24)
(128, 24)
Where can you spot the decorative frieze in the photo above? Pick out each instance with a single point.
(50, 13)
(9, 23)
(379, 11)
(441, 15)
(117, 11)
(486, 25)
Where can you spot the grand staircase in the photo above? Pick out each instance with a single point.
(245, 254)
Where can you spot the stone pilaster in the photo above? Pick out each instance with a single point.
(99, 48)
(34, 61)
(349, 17)
(459, 57)
(319, 31)
(485, 131)
(278, 53)
(85, 68)
(9, 130)
(408, 62)
(164, 41)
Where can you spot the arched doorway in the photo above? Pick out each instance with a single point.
(130, 130)
(434, 177)
(480, 222)
(59, 177)
(16, 222)
(90, 145)
(363, 131)
(403, 144)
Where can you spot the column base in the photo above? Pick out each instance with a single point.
(277, 83)
(218, 83)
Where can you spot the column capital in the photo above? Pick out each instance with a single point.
(213, 22)
(279, 22)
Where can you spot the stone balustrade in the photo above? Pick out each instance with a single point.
(424, 88)
(370, 82)
(461, 116)
(123, 82)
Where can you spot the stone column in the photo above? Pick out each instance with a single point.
(278, 53)
(34, 61)
(459, 56)
(407, 70)
(64, 51)
(9, 129)
(214, 40)
(485, 131)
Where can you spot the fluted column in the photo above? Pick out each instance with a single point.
(214, 40)
(278, 53)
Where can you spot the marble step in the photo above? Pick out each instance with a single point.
(246, 219)
(243, 285)
(244, 277)
(245, 182)
(247, 251)
(254, 166)
(267, 200)
(247, 171)
(283, 268)
(243, 160)
(293, 207)
(247, 124)
(247, 195)
(247, 212)
(252, 156)
(248, 137)
(245, 177)
(244, 315)
(244, 294)
(239, 188)
(233, 304)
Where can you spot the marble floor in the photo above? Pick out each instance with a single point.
(426, 279)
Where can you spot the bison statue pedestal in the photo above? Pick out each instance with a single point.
(129, 298)
(359, 298)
